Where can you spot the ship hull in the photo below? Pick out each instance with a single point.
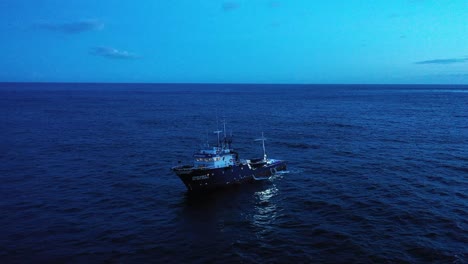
(208, 179)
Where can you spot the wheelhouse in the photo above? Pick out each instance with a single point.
(214, 158)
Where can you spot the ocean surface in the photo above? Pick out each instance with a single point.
(376, 174)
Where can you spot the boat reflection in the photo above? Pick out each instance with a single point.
(266, 210)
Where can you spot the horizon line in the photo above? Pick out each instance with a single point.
(227, 83)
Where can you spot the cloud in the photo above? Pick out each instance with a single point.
(443, 61)
(112, 53)
(229, 6)
(71, 27)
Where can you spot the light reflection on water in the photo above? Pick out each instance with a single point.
(265, 212)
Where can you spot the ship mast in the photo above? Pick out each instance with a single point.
(263, 145)
(218, 132)
(217, 126)
(224, 123)
(225, 138)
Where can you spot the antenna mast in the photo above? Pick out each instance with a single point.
(207, 142)
(218, 132)
(217, 126)
(224, 123)
(263, 145)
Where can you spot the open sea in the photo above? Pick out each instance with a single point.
(376, 174)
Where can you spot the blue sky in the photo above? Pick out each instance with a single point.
(238, 41)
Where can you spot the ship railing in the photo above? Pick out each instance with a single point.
(183, 167)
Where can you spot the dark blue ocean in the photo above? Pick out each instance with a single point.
(376, 174)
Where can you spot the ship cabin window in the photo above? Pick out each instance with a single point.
(208, 159)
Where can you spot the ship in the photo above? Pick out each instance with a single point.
(220, 166)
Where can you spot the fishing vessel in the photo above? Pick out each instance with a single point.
(220, 166)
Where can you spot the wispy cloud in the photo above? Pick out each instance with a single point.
(71, 27)
(443, 61)
(229, 6)
(112, 53)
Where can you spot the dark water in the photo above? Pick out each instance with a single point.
(376, 174)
